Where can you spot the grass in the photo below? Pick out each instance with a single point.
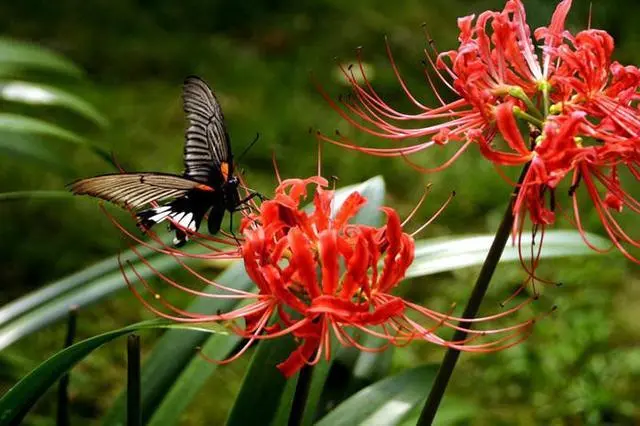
(582, 365)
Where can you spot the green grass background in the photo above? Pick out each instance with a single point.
(581, 366)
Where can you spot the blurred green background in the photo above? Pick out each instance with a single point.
(581, 366)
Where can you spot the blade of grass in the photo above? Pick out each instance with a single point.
(440, 255)
(29, 195)
(263, 384)
(175, 350)
(18, 54)
(194, 376)
(21, 397)
(55, 307)
(33, 148)
(284, 407)
(303, 388)
(39, 94)
(21, 125)
(386, 402)
(318, 382)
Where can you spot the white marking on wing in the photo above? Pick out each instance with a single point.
(184, 222)
(159, 217)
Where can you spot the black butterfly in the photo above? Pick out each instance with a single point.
(207, 183)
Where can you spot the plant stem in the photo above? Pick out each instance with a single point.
(134, 413)
(62, 417)
(300, 397)
(477, 294)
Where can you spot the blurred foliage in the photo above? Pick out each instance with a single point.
(582, 364)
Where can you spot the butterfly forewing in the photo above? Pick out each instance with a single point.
(207, 151)
(134, 190)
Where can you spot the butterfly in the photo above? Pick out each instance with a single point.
(207, 184)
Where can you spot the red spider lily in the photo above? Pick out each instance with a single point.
(319, 277)
(581, 105)
(558, 152)
(495, 63)
(295, 259)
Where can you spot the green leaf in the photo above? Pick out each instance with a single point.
(194, 376)
(318, 381)
(451, 412)
(369, 367)
(52, 302)
(38, 94)
(21, 397)
(373, 189)
(448, 254)
(29, 195)
(20, 125)
(16, 54)
(263, 385)
(23, 124)
(40, 297)
(286, 401)
(386, 402)
(44, 306)
(31, 147)
(353, 370)
(432, 256)
(175, 350)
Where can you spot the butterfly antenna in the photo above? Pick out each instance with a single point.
(249, 146)
(116, 163)
(319, 157)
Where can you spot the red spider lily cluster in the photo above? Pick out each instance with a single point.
(320, 279)
(580, 106)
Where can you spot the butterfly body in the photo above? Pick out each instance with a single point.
(207, 184)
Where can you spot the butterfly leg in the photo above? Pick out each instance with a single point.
(244, 205)
(251, 197)
(233, 234)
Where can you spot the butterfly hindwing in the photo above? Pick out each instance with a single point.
(186, 212)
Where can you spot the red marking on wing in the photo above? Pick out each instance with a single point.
(224, 169)
(203, 187)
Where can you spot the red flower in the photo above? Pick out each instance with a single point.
(581, 107)
(495, 63)
(318, 276)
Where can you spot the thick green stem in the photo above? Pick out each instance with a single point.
(519, 113)
(302, 394)
(134, 391)
(545, 98)
(62, 416)
(479, 290)
(518, 92)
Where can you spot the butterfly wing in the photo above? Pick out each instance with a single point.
(208, 166)
(191, 199)
(207, 150)
(134, 190)
(186, 214)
